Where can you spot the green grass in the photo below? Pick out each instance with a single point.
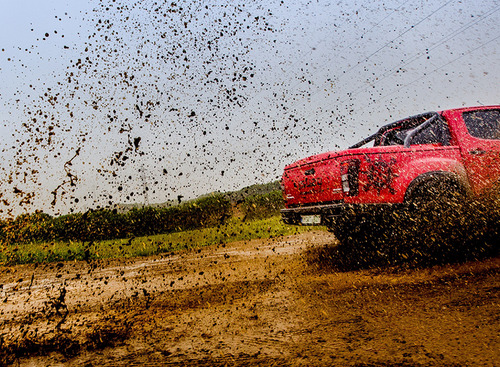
(233, 230)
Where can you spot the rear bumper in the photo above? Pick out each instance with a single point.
(329, 212)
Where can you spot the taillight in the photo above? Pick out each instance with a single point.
(349, 174)
(286, 196)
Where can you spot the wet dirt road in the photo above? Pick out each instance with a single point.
(263, 302)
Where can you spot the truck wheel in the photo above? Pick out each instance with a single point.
(434, 223)
(437, 198)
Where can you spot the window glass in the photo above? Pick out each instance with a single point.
(435, 133)
(484, 124)
(395, 136)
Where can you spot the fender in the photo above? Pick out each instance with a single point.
(421, 166)
(407, 166)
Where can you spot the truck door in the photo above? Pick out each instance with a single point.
(480, 148)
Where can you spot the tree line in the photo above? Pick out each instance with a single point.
(106, 224)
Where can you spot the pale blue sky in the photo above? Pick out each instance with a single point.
(222, 95)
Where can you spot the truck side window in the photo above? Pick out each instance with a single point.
(435, 133)
(483, 124)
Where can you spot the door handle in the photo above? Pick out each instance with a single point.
(478, 151)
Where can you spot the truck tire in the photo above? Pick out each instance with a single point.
(424, 232)
(434, 199)
(434, 225)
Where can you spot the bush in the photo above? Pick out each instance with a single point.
(25, 227)
(263, 206)
(107, 224)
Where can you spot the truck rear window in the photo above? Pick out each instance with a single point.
(483, 124)
(435, 133)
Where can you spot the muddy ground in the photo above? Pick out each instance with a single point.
(264, 302)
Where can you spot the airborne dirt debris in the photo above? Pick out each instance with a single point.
(127, 103)
(266, 302)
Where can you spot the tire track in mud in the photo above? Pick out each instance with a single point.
(266, 302)
(104, 292)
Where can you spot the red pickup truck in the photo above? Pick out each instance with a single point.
(424, 158)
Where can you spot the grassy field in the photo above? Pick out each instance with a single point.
(234, 230)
